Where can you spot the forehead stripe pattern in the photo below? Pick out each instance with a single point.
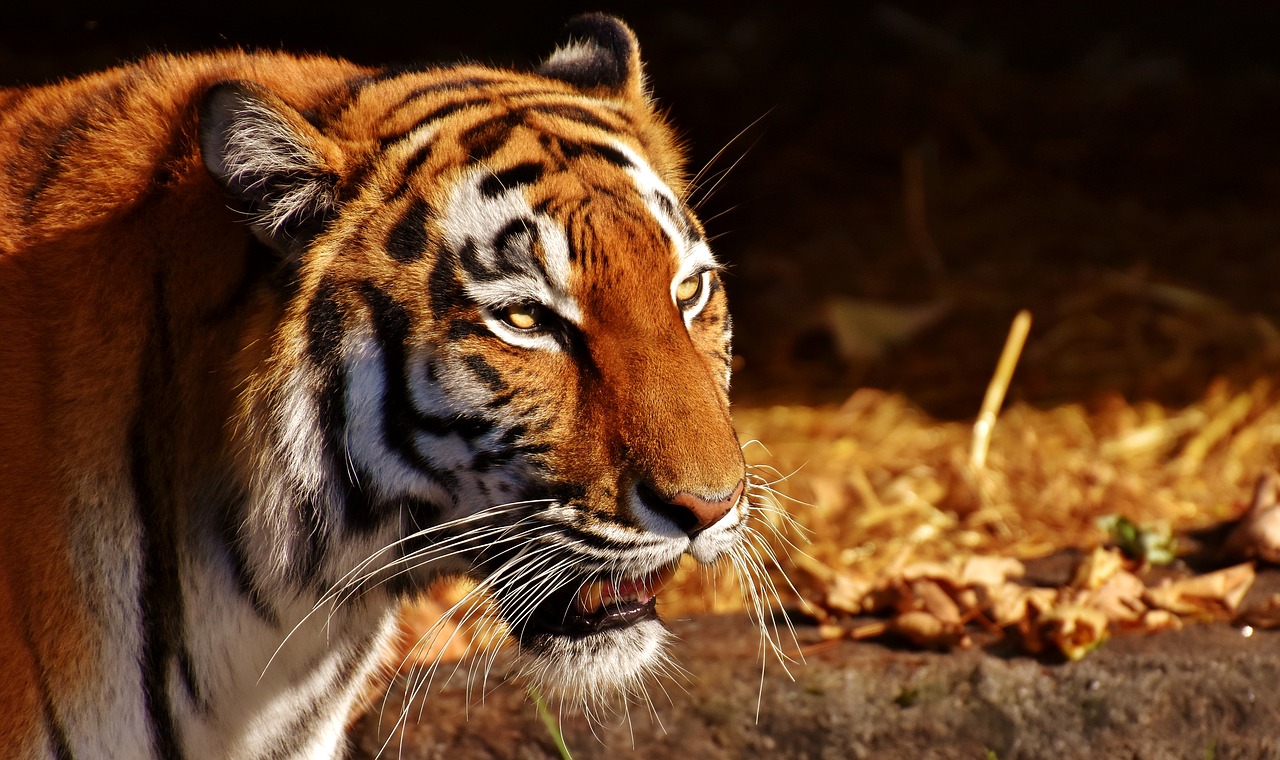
(437, 114)
(449, 85)
(506, 252)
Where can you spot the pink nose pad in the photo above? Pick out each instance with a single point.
(705, 513)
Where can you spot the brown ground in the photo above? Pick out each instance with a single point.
(1204, 692)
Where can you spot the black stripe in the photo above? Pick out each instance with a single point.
(101, 105)
(315, 525)
(716, 286)
(509, 179)
(57, 733)
(469, 258)
(507, 449)
(347, 188)
(53, 156)
(411, 167)
(442, 284)
(461, 329)
(691, 224)
(190, 680)
(324, 325)
(385, 74)
(574, 113)
(358, 509)
(303, 726)
(407, 240)
(449, 85)
(517, 228)
(595, 541)
(466, 427)
(673, 214)
(161, 599)
(610, 154)
(482, 140)
(324, 340)
(571, 150)
(391, 324)
(415, 515)
(497, 402)
(233, 544)
(332, 104)
(485, 372)
(440, 112)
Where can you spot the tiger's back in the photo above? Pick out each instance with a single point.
(273, 326)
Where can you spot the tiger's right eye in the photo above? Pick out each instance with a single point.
(689, 290)
(523, 316)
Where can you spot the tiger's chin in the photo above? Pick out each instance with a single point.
(598, 668)
(597, 642)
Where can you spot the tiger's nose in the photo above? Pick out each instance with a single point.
(691, 512)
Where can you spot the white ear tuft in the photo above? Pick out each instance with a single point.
(267, 157)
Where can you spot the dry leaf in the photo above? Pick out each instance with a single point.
(988, 571)
(1211, 595)
(1097, 568)
(1009, 604)
(926, 630)
(1159, 620)
(1119, 598)
(937, 571)
(930, 597)
(846, 592)
(1075, 630)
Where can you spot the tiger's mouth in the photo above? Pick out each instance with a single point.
(599, 606)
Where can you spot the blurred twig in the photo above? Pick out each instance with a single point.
(997, 388)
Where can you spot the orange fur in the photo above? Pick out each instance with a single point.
(148, 344)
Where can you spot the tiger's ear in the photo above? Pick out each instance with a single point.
(601, 56)
(269, 158)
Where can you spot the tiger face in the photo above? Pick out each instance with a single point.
(284, 340)
(508, 356)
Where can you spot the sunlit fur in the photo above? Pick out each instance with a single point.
(256, 388)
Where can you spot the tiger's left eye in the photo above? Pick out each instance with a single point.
(524, 316)
(688, 290)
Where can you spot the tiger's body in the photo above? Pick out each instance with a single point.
(283, 334)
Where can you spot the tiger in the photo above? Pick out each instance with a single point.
(286, 340)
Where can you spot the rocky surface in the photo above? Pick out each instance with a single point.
(1207, 691)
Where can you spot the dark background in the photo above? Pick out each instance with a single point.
(1114, 167)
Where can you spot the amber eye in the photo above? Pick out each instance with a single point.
(523, 316)
(689, 289)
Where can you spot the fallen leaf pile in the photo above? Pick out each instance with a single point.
(907, 539)
(946, 604)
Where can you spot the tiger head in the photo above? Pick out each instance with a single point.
(506, 355)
